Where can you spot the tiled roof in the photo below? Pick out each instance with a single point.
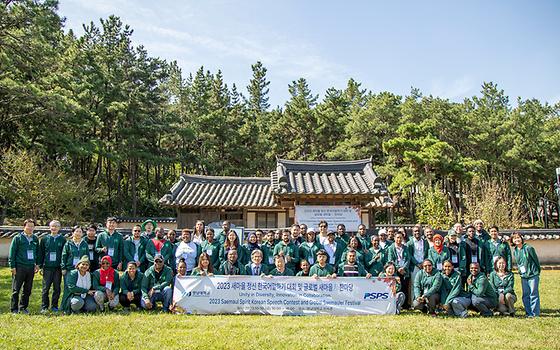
(334, 178)
(220, 192)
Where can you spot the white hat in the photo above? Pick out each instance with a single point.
(311, 229)
(382, 231)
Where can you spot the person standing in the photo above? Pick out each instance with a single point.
(91, 239)
(135, 249)
(498, 248)
(72, 252)
(529, 269)
(212, 248)
(399, 254)
(187, 250)
(22, 259)
(110, 243)
(49, 258)
(288, 250)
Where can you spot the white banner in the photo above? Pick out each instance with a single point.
(285, 295)
(310, 215)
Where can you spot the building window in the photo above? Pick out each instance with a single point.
(233, 216)
(266, 219)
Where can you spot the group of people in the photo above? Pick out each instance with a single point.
(430, 272)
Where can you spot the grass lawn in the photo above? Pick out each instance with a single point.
(409, 330)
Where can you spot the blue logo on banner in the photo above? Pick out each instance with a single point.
(376, 296)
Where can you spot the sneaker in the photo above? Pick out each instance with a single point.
(24, 311)
(15, 312)
(54, 309)
(44, 311)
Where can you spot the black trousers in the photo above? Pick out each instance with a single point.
(405, 281)
(126, 303)
(51, 276)
(22, 278)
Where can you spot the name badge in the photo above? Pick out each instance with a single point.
(111, 252)
(522, 269)
(311, 260)
(108, 285)
(454, 259)
(331, 260)
(136, 257)
(90, 255)
(52, 256)
(90, 246)
(474, 259)
(209, 252)
(439, 266)
(271, 260)
(75, 261)
(30, 254)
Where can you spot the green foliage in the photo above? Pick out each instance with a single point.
(431, 208)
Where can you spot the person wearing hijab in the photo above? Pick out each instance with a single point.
(131, 286)
(501, 279)
(453, 299)
(252, 243)
(204, 267)
(438, 253)
(106, 284)
(390, 271)
(281, 269)
(483, 296)
(78, 290)
(529, 269)
(256, 266)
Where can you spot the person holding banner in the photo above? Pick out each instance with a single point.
(498, 248)
(304, 268)
(288, 250)
(352, 267)
(321, 268)
(211, 247)
(187, 250)
(389, 270)
(135, 249)
(501, 280)
(483, 298)
(334, 250)
(73, 251)
(204, 267)
(256, 266)
(232, 243)
(376, 259)
(453, 297)
(427, 285)
(529, 269)
(280, 269)
(156, 285)
(231, 266)
(110, 243)
(131, 286)
(106, 284)
(308, 249)
(438, 253)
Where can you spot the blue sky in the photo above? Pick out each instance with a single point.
(444, 48)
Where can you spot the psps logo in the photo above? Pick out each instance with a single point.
(376, 296)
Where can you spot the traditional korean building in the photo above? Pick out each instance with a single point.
(269, 202)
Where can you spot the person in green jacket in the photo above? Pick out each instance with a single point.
(438, 253)
(135, 249)
(288, 250)
(352, 267)
(110, 243)
(390, 271)
(280, 269)
(106, 284)
(361, 253)
(529, 269)
(334, 249)
(481, 233)
(131, 286)
(23, 262)
(453, 298)
(204, 267)
(427, 285)
(363, 236)
(457, 254)
(73, 251)
(174, 243)
(321, 268)
(157, 285)
(232, 242)
(342, 234)
(159, 245)
(91, 239)
(267, 248)
(211, 247)
(501, 279)
(256, 266)
(304, 268)
(376, 258)
(308, 249)
(78, 290)
(49, 256)
(148, 228)
(498, 248)
(399, 254)
(483, 296)
(232, 266)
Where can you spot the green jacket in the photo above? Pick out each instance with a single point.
(397, 283)
(130, 250)
(365, 241)
(131, 285)
(376, 261)
(150, 280)
(502, 285)
(268, 254)
(264, 269)
(238, 269)
(359, 266)
(197, 272)
(437, 259)
(481, 287)
(498, 249)
(242, 255)
(393, 256)
(288, 249)
(287, 272)
(50, 251)
(18, 256)
(451, 288)
(316, 269)
(301, 274)
(213, 250)
(72, 253)
(309, 253)
(482, 256)
(70, 290)
(96, 284)
(458, 258)
(527, 261)
(425, 284)
(114, 244)
(361, 256)
(166, 251)
(425, 247)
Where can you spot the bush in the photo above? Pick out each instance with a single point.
(431, 208)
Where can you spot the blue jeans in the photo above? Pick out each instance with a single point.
(164, 296)
(459, 306)
(484, 304)
(531, 299)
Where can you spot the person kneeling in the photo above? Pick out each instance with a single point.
(106, 284)
(483, 298)
(78, 294)
(131, 286)
(427, 284)
(156, 285)
(453, 298)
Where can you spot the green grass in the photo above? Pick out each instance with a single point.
(409, 330)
